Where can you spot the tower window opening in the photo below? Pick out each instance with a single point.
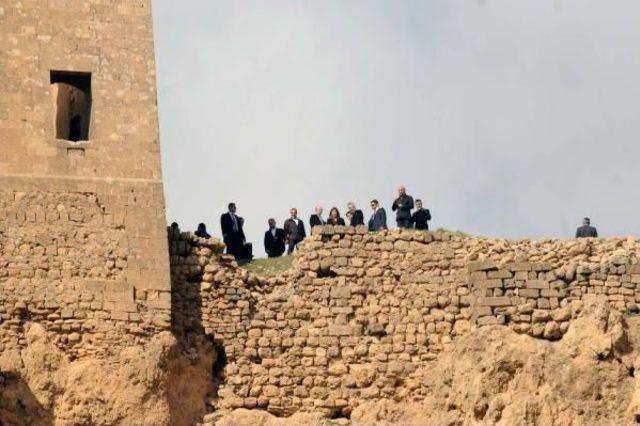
(72, 100)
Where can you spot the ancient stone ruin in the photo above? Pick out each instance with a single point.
(108, 318)
(366, 317)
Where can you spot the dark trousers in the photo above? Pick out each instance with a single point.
(403, 223)
(291, 247)
(234, 244)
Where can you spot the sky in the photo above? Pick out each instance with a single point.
(509, 118)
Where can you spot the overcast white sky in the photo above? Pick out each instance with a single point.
(510, 118)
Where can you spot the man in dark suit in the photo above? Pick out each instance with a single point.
(378, 220)
(274, 240)
(317, 219)
(232, 232)
(586, 230)
(421, 217)
(293, 230)
(402, 206)
(355, 217)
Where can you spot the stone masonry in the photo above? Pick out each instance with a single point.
(82, 230)
(84, 255)
(362, 315)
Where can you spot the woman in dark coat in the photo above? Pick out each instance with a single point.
(334, 217)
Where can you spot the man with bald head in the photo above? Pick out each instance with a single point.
(317, 219)
(402, 206)
(586, 230)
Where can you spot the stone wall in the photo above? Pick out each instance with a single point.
(362, 315)
(85, 292)
(83, 246)
(66, 262)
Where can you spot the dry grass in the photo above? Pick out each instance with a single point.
(268, 267)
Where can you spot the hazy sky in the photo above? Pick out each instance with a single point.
(509, 118)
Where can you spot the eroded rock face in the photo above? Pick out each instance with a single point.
(499, 377)
(155, 384)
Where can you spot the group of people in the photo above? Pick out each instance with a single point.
(277, 241)
(293, 231)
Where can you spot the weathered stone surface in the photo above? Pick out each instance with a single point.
(495, 301)
(91, 307)
(392, 316)
(83, 239)
(484, 265)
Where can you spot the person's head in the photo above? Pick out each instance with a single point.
(334, 213)
(272, 223)
(418, 204)
(351, 207)
(374, 204)
(232, 207)
(202, 227)
(402, 190)
(174, 225)
(318, 210)
(294, 213)
(586, 221)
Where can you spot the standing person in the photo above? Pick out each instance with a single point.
(378, 220)
(317, 219)
(202, 231)
(274, 240)
(293, 230)
(334, 217)
(232, 233)
(421, 217)
(586, 230)
(348, 216)
(402, 206)
(174, 230)
(357, 218)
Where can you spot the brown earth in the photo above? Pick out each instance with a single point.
(160, 383)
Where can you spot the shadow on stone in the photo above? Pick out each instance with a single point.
(198, 368)
(18, 405)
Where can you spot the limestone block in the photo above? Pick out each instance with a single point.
(494, 301)
(539, 284)
(488, 284)
(528, 292)
(484, 265)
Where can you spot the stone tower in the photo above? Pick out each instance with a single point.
(83, 246)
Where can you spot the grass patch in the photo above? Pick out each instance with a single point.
(269, 267)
